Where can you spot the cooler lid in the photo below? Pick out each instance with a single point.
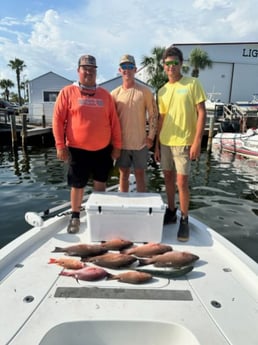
(125, 201)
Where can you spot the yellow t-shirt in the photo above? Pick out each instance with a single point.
(177, 102)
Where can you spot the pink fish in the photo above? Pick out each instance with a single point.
(69, 263)
(86, 273)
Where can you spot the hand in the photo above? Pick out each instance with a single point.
(157, 154)
(195, 151)
(62, 154)
(149, 143)
(115, 153)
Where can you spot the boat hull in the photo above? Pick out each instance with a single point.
(242, 144)
(215, 303)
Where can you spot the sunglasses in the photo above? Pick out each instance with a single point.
(171, 63)
(126, 66)
(88, 68)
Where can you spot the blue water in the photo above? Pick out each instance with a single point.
(224, 192)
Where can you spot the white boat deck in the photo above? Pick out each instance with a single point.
(215, 304)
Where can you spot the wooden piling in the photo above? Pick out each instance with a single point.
(13, 130)
(210, 135)
(44, 121)
(24, 130)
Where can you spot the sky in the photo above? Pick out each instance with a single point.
(51, 35)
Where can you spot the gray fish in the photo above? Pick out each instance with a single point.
(170, 259)
(165, 272)
(82, 250)
(131, 277)
(148, 249)
(112, 260)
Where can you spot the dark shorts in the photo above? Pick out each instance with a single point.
(133, 158)
(85, 164)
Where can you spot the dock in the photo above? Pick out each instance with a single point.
(16, 128)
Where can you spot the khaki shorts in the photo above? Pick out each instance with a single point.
(175, 158)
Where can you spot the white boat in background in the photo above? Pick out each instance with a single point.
(248, 107)
(245, 144)
(213, 104)
(215, 303)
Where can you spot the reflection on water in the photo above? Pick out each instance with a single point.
(224, 191)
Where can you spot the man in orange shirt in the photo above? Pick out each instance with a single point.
(87, 134)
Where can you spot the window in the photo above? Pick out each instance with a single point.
(50, 96)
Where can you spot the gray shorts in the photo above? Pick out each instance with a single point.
(133, 158)
(175, 158)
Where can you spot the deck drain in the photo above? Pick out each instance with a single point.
(227, 269)
(216, 304)
(28, 299)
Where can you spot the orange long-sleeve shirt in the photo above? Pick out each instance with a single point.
(86, 122)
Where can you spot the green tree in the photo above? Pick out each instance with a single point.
(24, 87)
(18, 65)
(185, 69)
(154, 68)
(199, 60)
(6, 84)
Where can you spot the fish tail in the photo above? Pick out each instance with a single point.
(52, 261)
(58, 250)
(66, 273)
(143, 261)
(111, 276)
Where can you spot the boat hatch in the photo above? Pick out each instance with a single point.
(121, 293)
(117, 332)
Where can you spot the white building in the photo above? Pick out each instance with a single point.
(43, 92)
(234, 72)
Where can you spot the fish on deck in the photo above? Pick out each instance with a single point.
(131, 277)
(165, 272)
(148, 249)
(86, 273)
(112, 260)
(116, 244)
(170, 259)
(69, 263)
(82, 250)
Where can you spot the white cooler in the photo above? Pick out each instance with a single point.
(137, 217)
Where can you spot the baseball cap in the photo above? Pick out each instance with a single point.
(127, 58)
(87, 60)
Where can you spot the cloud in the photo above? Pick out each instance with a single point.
(53, 38)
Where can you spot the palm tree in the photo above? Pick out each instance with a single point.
(17, 65)
(6, 84)
(24, 87)
(154, 68)
(199, 59)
